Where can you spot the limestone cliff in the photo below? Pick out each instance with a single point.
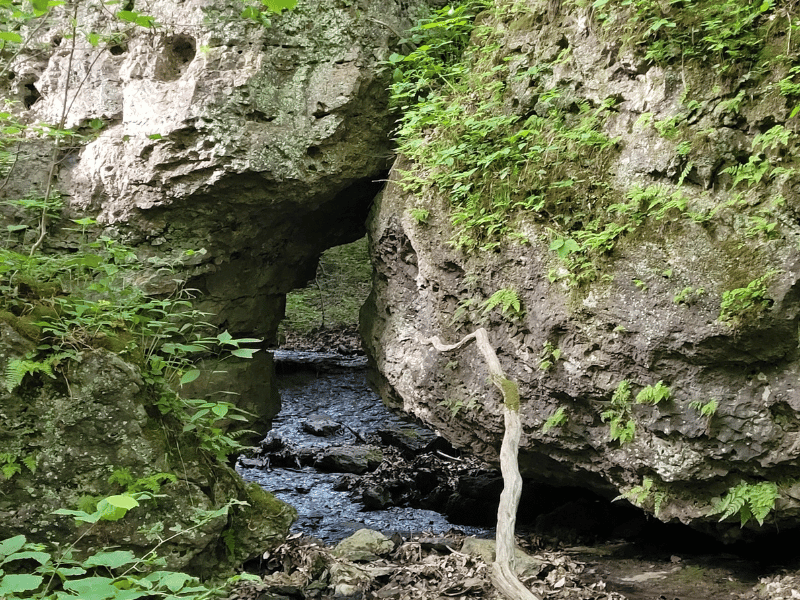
(617, 203)
(256, 144)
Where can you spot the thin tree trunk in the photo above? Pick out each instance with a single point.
(503, 576)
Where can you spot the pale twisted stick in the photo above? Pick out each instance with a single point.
(503, 576)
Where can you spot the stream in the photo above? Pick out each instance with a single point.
(346, 462)
(330, 392)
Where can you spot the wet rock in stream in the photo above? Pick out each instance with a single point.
(344, 461)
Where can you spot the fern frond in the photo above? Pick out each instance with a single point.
(30, 462)
(18, 368)
(10, 469)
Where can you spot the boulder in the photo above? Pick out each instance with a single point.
(412, 440)
(349, 459)
(95, 433)
(702, 297)
(364, 545)
(321, 425)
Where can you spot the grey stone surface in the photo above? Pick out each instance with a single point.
(364, 545)
(349, 459)
(612, 329)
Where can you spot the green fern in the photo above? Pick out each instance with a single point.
(642, 494)
(10, 469)
(622, 426)
(17, 369)
(557, 419)
(750, 501)
(30, 462)
(653, 394)
(507, 299)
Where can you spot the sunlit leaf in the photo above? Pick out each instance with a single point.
(190, 376)
(12, 584)
(11, 545)
(10, 36)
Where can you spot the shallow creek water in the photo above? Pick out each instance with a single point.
(313, 383)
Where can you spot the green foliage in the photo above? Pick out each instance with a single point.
(259, 10)
(420, 215)
(750, 501)
(678, 31)
(341, 286)
(142, 486)
(688, 295)
(645, 495)
(707, 409)
(34, 571)
(549, 356)
(491, 165)
(84, 300)
(10, 464)
(16, 369)
(653, 394)
(508, 301)
(557, 419)
(622, 425)
(746, 303)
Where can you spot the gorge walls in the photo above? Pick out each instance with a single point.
(617, 204)
(224, 154)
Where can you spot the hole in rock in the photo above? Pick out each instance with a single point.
(179, 52)
(117, 50)
(31, 96)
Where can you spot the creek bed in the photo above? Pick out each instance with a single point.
(334, 387)
(662, 562)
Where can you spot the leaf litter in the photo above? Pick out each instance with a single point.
(420, 568)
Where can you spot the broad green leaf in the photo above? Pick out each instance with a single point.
(190, 376)
(92, 588)
(65, 572)
(11, 545)
(175, 581)
(278, 5)
(127, 15)
(220, 410)
(40, 557)
(244, 352)
(12, 584)
(112, 560)
(79, 515)
(224, 337)
(123, 501)
(10, 36)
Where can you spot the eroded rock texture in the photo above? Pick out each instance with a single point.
(260, 146)
(650, 312)
(93, 433)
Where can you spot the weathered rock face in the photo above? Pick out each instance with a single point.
(652, 312)
(258, 145)
(94, 433)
